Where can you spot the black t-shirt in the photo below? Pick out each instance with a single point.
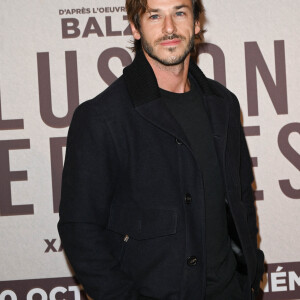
(188, 109)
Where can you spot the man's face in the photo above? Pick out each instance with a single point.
(167, 30)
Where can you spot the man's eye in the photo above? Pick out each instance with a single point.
(154, 17)
(180, 13)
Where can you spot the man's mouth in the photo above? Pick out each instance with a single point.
(169, 43)
(170, 40)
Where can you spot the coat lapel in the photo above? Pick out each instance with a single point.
(158, 114)
(218, 113)
(217, 110)
(145, 95)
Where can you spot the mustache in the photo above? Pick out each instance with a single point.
(170, 37)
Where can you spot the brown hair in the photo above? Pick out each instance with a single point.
(135, 8)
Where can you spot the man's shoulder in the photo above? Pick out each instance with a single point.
(112, 101)
(219, 89)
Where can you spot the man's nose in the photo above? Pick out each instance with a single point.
(169, 26)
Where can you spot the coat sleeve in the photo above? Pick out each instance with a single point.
(88, 182)
(246, 177)
(245, 174)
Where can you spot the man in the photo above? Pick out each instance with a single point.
(156, 193)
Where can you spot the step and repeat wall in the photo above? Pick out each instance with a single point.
(56, 54)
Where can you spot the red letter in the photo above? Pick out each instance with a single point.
(6, 176)
(10, 124)
(92, 26)
(278, 90)
(291, 155)
(109, 31)
(218, 61)
(103, 68)
(45, 89)
(67, 25)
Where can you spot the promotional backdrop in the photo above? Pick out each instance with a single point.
(57, 54)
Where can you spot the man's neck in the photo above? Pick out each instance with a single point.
(171, 78)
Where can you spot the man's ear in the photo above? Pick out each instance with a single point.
(136, 34)
(197, 27)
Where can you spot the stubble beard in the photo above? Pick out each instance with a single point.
(172, 60)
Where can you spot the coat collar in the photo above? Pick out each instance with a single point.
(146, 98)
(142, 84)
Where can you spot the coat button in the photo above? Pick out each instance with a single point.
(178, 142)
(192, 261)
(188, 198)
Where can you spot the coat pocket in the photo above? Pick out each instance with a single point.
(143, 223)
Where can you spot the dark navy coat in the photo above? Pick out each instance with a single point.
(124, 220)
